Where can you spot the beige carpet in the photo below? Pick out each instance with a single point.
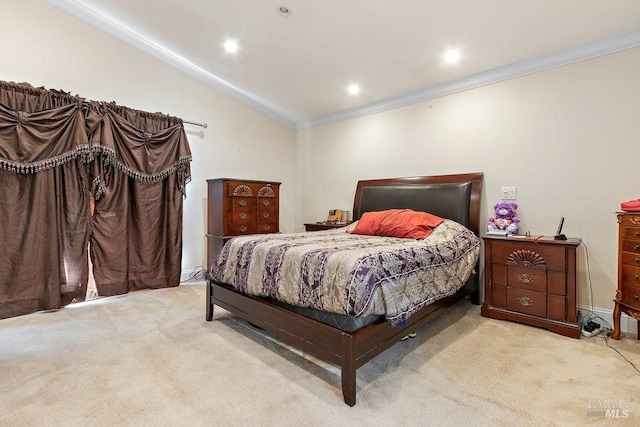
(150, 358)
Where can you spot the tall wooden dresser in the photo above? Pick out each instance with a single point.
(532, 281)
(628, 293)
(236, 207)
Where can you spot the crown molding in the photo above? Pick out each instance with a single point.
(183, 65)
(579, 53)
(495, 75)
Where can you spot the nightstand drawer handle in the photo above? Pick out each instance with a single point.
(636, 260)
(267, 227)
(525, 301)
(265, 215)
(636, 297)
(636, 247)
(243, 228)
(636, 276)
(636, 233)
(525, 278)
(242, 202)
(243, 215)
(265, 202)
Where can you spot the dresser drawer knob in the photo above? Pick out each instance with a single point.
(525, 301)
(525, 278)
(243, 215)
(265, 215)
(635, 297)
(636, 247)
(636, 260)
(243, 228)
(242, 202)
(267, 227)
(636, 276)
(636, 233)
(266, 202)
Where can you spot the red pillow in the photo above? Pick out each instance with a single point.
(404, 223)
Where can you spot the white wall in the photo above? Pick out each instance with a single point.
(567, 138)
(44, 46)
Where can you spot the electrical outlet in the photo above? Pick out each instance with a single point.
(508, 193)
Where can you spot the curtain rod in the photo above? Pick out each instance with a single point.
(204, 125)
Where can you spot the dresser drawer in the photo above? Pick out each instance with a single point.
(242, 229)
(631, 233)
(631, 295)
(631, 246)
(267, 227)
(629, 258)
(245, 204)
(267, 203)
(529, 302)
(630, 220)
(529, 279)
(630, 275)
(268, 216)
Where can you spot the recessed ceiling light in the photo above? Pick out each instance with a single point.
(353, 89)
(284, 11)
(231, 46)
(452, 56)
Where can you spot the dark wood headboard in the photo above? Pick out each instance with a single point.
(455, 197)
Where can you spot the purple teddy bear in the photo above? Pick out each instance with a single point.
(505, 218)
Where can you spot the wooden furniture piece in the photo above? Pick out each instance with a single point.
(319, 226)
(628, 293)
(532, 281)
(455, 197)
(239, 206)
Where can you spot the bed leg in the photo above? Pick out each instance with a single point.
(348, 370)
(209, 303)
(475, 296)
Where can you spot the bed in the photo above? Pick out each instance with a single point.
(351, 339)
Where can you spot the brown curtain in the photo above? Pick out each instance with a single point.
(44, 199)
(139, 184)
(56, 152)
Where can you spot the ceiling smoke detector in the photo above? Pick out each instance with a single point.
(284, 11)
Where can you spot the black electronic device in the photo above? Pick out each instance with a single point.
(559, 235)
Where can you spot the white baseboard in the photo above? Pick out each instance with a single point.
(628, 325)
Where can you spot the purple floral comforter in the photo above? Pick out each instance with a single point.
(350, 274)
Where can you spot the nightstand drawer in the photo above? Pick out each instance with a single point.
(529, 302)
(631, 295)
(529, 279)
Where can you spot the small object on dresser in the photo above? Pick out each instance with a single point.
(505, 218)
(630, 206)
(497, 233)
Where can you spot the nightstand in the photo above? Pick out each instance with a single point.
(319, 226)
(532, 281)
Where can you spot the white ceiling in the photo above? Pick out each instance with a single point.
(296, 69)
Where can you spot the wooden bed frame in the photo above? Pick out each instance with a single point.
(455, 197)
